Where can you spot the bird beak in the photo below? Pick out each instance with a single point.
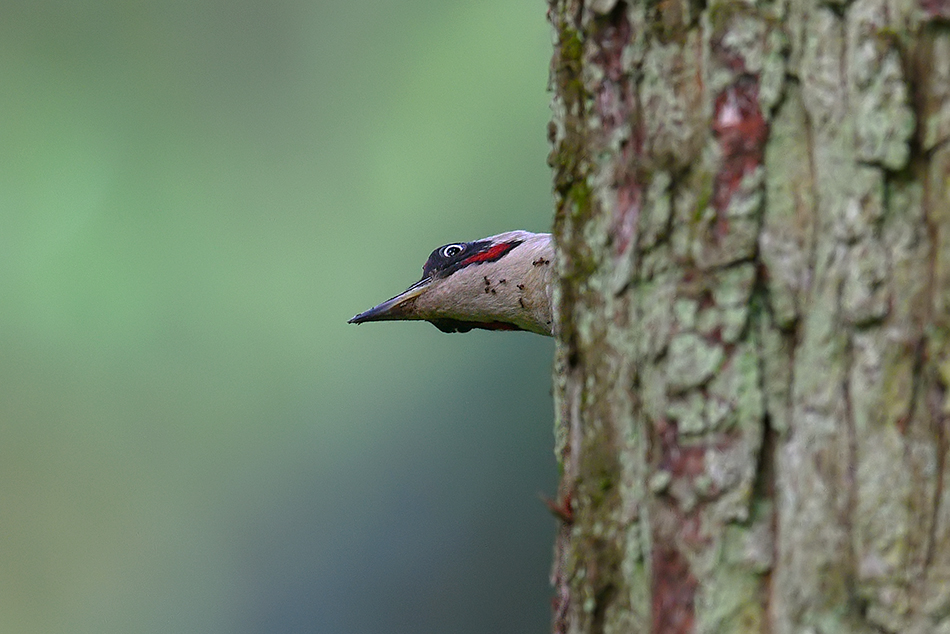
(399, 307)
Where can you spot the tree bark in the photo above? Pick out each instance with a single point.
(753, 234)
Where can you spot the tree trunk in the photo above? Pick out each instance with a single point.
(753, 233)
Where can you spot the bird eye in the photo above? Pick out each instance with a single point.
(451, 250)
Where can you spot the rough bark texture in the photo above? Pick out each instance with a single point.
(753, 231)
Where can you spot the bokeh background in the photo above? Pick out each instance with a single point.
(195, 195)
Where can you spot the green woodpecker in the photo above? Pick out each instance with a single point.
(503, 282)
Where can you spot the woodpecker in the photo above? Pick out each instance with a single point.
(502, 282)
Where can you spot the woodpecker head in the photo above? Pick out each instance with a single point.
(503, 282)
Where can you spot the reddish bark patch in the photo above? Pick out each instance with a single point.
(613, 96)
(936, 9)
(629, 201)
(612, 35)
(688, 462)
(616, 104)
(691, 532)
(674, 592)
(741, 130)
(561, 601)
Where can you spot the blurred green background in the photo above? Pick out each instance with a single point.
(194, 198)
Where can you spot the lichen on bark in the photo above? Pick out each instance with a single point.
(753, 232)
